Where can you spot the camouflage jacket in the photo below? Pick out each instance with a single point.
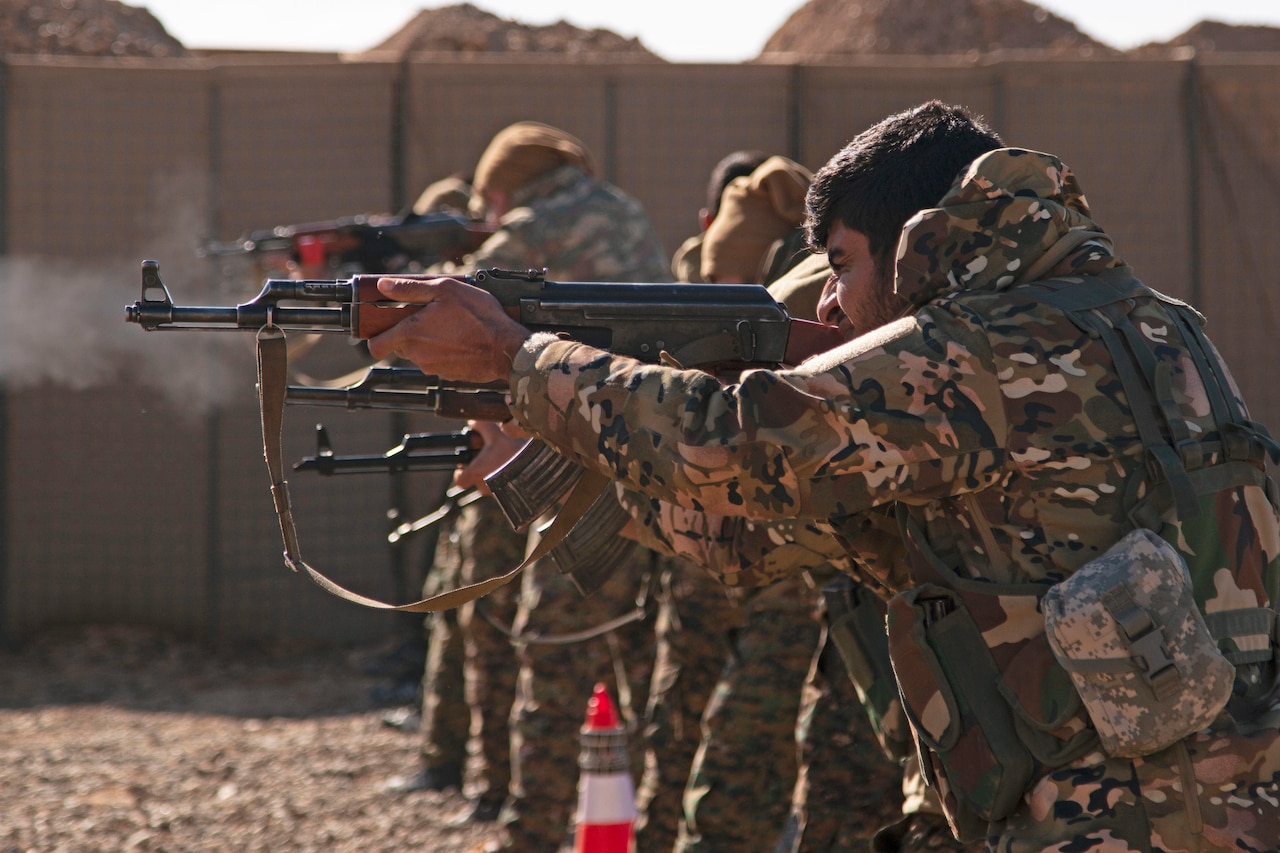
(987, 413)
(578, 229)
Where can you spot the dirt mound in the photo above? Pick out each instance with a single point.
(465, 29)
(876, 27)
(1208, 36)
(83, 28)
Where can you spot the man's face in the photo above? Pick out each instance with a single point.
(858, 297)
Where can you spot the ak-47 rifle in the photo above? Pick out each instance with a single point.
(368, 242)
(417, 451)
(713, 327)
(587, 554)
(710, 326)
(408, 389)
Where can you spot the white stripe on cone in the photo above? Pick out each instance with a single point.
(607, 798)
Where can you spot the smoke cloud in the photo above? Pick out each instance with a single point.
(63, 324)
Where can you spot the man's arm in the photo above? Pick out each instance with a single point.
(912, 412)
(913, 417)
(737, 551)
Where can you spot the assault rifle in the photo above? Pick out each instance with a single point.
(373, 242)
(718, 328)
(710, 326)
(417, 451)
(408, 389)
(588, 552)
(714, 327)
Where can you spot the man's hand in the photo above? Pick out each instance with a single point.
(461, 332)
(497, 451)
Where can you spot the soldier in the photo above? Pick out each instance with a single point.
(686, 263)
(468, 680)
(1037, 416)
(748, 751)
(696, 617)
(538, 185)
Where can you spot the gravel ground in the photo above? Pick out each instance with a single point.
(123, 739)
(115, 739)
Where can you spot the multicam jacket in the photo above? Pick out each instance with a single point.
(995, 420)
(987, 413)
(579, 229)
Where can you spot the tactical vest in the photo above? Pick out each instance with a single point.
(991, 710)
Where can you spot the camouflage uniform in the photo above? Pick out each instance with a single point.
(694, 619)
(445, 718)
(489, 546)
(578, 229)
(555, 682)
(470, 677)
(727, 666)
(999, 428)
(740, 786)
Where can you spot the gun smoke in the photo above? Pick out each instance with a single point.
(62, 324)
(62, 321)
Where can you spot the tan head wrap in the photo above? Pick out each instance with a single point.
(755, 212)
(526, 151)
(445, 194)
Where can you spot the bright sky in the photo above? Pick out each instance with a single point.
(677, 30)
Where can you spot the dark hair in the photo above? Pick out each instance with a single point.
(892, 170)
(739, 164)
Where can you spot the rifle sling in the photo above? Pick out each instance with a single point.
(273, 365)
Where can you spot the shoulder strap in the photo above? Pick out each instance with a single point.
(272, 379)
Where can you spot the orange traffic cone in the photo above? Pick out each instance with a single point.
(606, 797)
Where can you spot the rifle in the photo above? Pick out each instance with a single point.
(408, 389)
(710, 326)
(717, 328)
(418, 451)
(587, 554)
(526, 488)
(370, 242)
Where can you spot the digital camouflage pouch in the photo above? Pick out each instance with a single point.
(1126, 628)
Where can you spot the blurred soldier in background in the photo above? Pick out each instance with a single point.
(740, 784)
(695, 620)
(686, 263)
(468, 681)
(538, 184)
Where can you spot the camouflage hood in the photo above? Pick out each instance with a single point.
(1014, 215)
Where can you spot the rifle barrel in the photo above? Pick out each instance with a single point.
(159, 315)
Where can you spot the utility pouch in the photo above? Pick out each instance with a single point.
(855, 624)
(1126, 628)
(966, 734)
